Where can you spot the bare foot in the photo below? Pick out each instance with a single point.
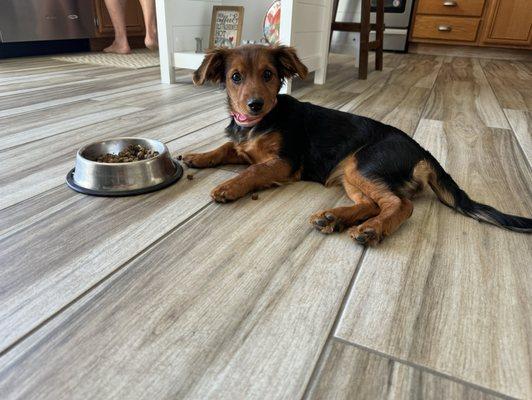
(151, 41)
(118, 48)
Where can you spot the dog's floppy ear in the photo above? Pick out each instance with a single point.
(288, 63)
(212, 68)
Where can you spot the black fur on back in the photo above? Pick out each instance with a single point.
(316, 139)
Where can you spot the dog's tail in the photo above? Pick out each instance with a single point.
(450, 194)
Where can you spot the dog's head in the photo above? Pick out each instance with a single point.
(252, 75)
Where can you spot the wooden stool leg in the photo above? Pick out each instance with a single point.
(364, 40)
(379, 35)
(334, 12)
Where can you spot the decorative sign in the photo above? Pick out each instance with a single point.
(226, 26)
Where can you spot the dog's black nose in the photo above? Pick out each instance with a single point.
(255, 105)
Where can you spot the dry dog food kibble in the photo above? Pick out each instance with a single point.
(190, 177)
(133, 152)
(254, 196)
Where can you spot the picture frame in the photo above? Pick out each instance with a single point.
(226, 26)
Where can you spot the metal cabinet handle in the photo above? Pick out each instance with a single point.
(445, 28)
(450, 3)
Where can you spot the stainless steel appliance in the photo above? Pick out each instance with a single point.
(33, 20)
(396, 19)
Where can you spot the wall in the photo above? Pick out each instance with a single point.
(254, 12)
(192, 18)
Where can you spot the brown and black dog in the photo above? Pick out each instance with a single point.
(285, 140)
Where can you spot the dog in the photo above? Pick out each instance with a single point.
(284, 140)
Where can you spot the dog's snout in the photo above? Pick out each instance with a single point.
(255, 104)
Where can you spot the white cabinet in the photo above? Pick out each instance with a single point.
(305, 24)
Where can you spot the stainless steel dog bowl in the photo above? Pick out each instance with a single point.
(122, 179)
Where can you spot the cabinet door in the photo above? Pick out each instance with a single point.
(467, 8)
(134, 19)
(509, 22)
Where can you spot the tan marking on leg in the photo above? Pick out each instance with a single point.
(387, 222)
(340, 218)
(225, 154)
(393, 210)
(257, 176)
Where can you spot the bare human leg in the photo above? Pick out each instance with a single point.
(117, 11)
(148, 9)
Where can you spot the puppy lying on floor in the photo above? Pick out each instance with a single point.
(285, 140)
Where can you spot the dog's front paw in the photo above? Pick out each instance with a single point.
(226, 192)
(198, 160)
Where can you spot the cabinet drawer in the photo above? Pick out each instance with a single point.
(471, 8)
(445, 28)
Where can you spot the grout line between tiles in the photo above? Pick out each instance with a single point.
(519, 145)
(133, 110)
(322, 357)
(331, 337)
(424, 369)
(119, 268)
(406, 362)
(151, 127)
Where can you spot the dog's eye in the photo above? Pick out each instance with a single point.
(236, 77)
(267, 74)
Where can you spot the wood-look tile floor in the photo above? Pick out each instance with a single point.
(168, 295)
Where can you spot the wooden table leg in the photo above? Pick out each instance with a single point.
(379, 34)
(364, 39)
(334, 13)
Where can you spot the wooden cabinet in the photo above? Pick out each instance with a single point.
(134, 19)
(509, 22)
(470, 8)
(446, 28)
(498, 23)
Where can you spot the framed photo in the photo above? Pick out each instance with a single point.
(226, 26)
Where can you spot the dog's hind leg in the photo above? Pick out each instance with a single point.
(365, 173)
(394, 212)
(340, 218)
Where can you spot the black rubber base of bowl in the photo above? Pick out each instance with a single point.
(105, 193)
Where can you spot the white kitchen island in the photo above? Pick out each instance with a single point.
(305, 24)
